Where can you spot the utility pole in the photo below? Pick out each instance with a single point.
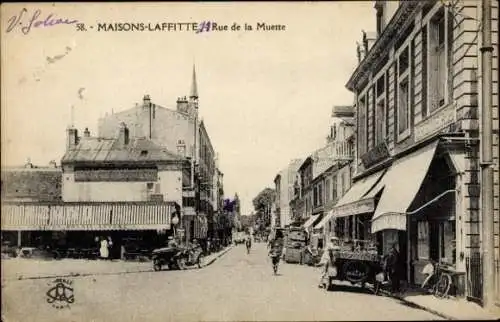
(487, 215)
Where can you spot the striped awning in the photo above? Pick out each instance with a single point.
(86, 216)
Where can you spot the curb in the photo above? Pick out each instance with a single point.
(222, 253)
(21, 278)
(418, 306)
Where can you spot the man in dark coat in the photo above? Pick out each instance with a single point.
(394, 268)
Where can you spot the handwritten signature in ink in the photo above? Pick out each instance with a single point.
(25, 21)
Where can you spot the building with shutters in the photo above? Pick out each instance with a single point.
(416, 182)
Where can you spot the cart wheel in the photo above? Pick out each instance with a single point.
(181, 263)
(156, 265)
(329, 287)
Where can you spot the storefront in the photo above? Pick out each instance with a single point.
(411, 204)
(417, 208)
(350, 218)
(77, 225)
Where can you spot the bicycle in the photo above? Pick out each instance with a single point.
(439, 281)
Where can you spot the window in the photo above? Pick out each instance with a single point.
(342, 182)
(438, 57)
(403, 94)
(320, 194)
(334, 188)
(423, 240)
(403, 106)
(362, 120)
(380, 112)
(327, 190)
(424, 72)
(315, 196)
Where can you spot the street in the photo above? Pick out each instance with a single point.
(236, 287)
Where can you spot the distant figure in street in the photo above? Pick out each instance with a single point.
(248, 243)
(276, 245)
(104, 248)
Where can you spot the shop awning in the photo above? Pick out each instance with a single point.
(401, 184)
(325, 219)
(310, 221)
(360, 197)
(86, 216)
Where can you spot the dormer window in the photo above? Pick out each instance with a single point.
(144, 153)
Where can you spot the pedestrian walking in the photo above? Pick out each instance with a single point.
(104, 251)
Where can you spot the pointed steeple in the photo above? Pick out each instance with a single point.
(194, 87)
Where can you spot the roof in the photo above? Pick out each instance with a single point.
(92, 149)
(349, 121)
(391, 31)
(39, 184)
(306, 162)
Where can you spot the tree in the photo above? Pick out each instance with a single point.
(262, 204)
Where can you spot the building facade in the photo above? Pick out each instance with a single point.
(180, 130)
(128, 169)
(417, 158)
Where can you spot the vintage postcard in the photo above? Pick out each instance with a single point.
(238, 161)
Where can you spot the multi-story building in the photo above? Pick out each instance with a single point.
(179, 130)
(284, 187)
(128, 169)
(334, 181)
(339, 149)
(417, 158)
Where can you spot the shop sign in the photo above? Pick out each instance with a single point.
(375, 155)
(435, 123)
(355, 208)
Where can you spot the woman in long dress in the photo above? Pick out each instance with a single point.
(104, 249)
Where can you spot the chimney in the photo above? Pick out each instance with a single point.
(53, 164)
(146, 101)
(72, 138)
(86, 133)
(123, 135)
(379, 7)
(369, 39)
(182, 104)
(361, 52)
(28, 164)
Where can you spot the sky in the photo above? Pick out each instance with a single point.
(265, 96)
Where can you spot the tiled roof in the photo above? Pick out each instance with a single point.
(112, 150)
(37, 184)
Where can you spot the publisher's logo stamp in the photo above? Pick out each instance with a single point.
(60, 293)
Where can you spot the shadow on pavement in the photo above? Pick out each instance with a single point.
(351, 289)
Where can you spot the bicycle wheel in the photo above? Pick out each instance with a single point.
(443, 285)
(426, 284)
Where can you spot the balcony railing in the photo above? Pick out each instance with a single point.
(343, 150)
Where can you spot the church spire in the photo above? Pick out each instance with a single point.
(194, 87)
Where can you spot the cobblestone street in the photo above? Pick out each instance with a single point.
(236, 287)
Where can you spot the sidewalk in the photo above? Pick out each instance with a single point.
(20, 269)
(449, 308)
